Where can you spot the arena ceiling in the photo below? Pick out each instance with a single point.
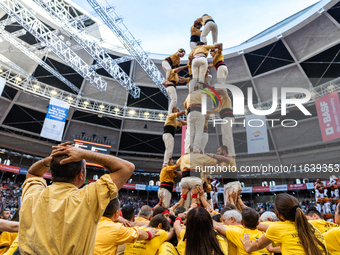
(301, 51)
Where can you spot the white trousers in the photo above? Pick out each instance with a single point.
(171, 90)
(167, 68)
(166, 197)
(222, 73)
(230, 188)
(199, 68)
(169, 142)
(209, 27)
(193, 45)
(227, 136)
(189, 183)
(205, 138)
(193, 136)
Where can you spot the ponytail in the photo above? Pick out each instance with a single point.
(288, 206)
(306, 233)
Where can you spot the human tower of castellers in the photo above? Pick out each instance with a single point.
(325, 203)
(197, 124)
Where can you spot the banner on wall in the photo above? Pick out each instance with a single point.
(328, 109)
(257, 137)
(2, 84)
(55, 119)
(9, 168)
(184, 130)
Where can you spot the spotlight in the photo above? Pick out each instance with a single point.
(132, 112)
(101, 107)
(86, 103)
(117, 110)
(313, 93)
(18, 79)
(69, 98)
(161, 115)
(36, 86)
(146, 114)
(330, 87)
(53, 92)
(1, 70)
(259, 108)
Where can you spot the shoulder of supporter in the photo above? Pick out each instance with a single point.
(33, 185)
(276, 231)
(99, 194)
(125, 234)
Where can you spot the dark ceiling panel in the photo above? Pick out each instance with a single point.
(141, 143)
(25, 119)
(335, 12)
(151, 98)
(9, 92)
(268, 58)
(125, 66)
(323, 67)
(94, 119)
(46, 77)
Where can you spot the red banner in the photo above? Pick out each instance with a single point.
(47, 175)
(328, 108)
(184, 130)
(12, 169)
(129, 186)
(261, 189)
(297, 186)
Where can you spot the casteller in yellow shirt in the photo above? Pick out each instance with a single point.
(322, 225)
(332, 238)
(167, 249)
(69, 222)
(234, 235)
(141, 219)
(110, 235)
(286, 236)
(145, 247)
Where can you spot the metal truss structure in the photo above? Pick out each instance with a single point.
(93, 106)
(8, 37)
(57, 10)
(33, 25)
(17, 68)
(115, 23)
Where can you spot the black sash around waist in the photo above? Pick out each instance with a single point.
(169, 129)
(226, 112)
(195, 107)
(208, 20)
(167, 185)
(220, 63)
(191, 173)
(174, 84)
(169, 60)
(195, 38)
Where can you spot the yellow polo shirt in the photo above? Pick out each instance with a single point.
(6, 240)
(322, 225)
(176, 60)
(204, 19)
(232, 248)
(286, 236)
(332, 238)
(234, 234)
(145, 247)
(167, 249)
(141, 219)
(194, 97)
(226, 102)
(182, 244)
(195, 31)
(60, 218)
(13, 247)
(218, 57)
(171, 120)
(167, 174)
(173, 77)
(190, 161)
(110, 235)
(201, 49)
